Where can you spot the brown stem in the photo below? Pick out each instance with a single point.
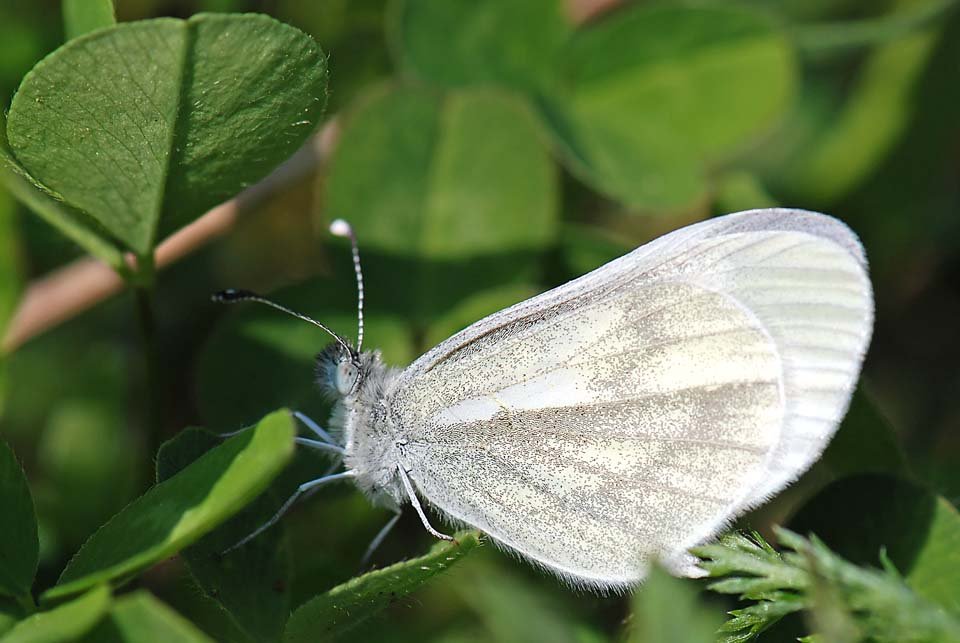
(66, 292)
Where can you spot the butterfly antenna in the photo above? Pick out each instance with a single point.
(233, 296)
(341, 228)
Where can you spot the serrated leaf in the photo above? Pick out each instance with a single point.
(19, 547)
(177, 512)
(654, 93)
(66, 622)
(147, 125)
(141, 618)
(334, 613)
(83, 16)
(445, 177)
(488, 41)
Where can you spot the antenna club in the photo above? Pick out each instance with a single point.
(341, 228)
(231, 296)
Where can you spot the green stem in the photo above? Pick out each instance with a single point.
(143, 290)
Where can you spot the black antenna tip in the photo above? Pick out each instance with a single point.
(231, 295)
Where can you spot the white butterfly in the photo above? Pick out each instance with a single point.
(629, 414)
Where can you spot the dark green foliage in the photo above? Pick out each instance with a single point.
(18, 547)
(146, 125)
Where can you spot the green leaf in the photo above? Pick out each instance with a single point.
(66, 622)
(917, 530)
(251, 582)
(141, 618)
(654, 94)
(177, 512)
(334, 613)
(76, 225)
(456, 190)
(147, 125)
(856, 138)
(443, 177)
(82, 16)
(19, 547)
(464, 42)
(668, 609)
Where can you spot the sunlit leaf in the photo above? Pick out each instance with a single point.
(66, 622)
(462, 42)
(146, 125)
(78, 226)
(250, 582)
(654, 93)
(177, 512)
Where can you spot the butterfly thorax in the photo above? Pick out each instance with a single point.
(358, 382)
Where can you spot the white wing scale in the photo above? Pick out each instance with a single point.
(634, 411)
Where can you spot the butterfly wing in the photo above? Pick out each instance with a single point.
(635, 411)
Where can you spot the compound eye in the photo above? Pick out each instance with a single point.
(347, 375)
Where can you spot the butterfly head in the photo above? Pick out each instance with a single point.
(340, 369)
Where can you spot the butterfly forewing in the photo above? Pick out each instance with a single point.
(633, 412)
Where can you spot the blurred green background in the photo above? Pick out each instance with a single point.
(485, 151)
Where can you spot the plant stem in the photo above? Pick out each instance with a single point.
(27, 603)
(152, 380)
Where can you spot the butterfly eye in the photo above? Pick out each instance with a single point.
(347, 375)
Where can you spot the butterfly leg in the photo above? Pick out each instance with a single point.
(313, 426)
(379, 538)
(320, 446)
(303, 490)
(304, 419)
(416, 505)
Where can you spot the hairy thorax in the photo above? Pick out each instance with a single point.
(370, 436)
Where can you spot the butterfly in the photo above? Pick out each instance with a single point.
(622, 417)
